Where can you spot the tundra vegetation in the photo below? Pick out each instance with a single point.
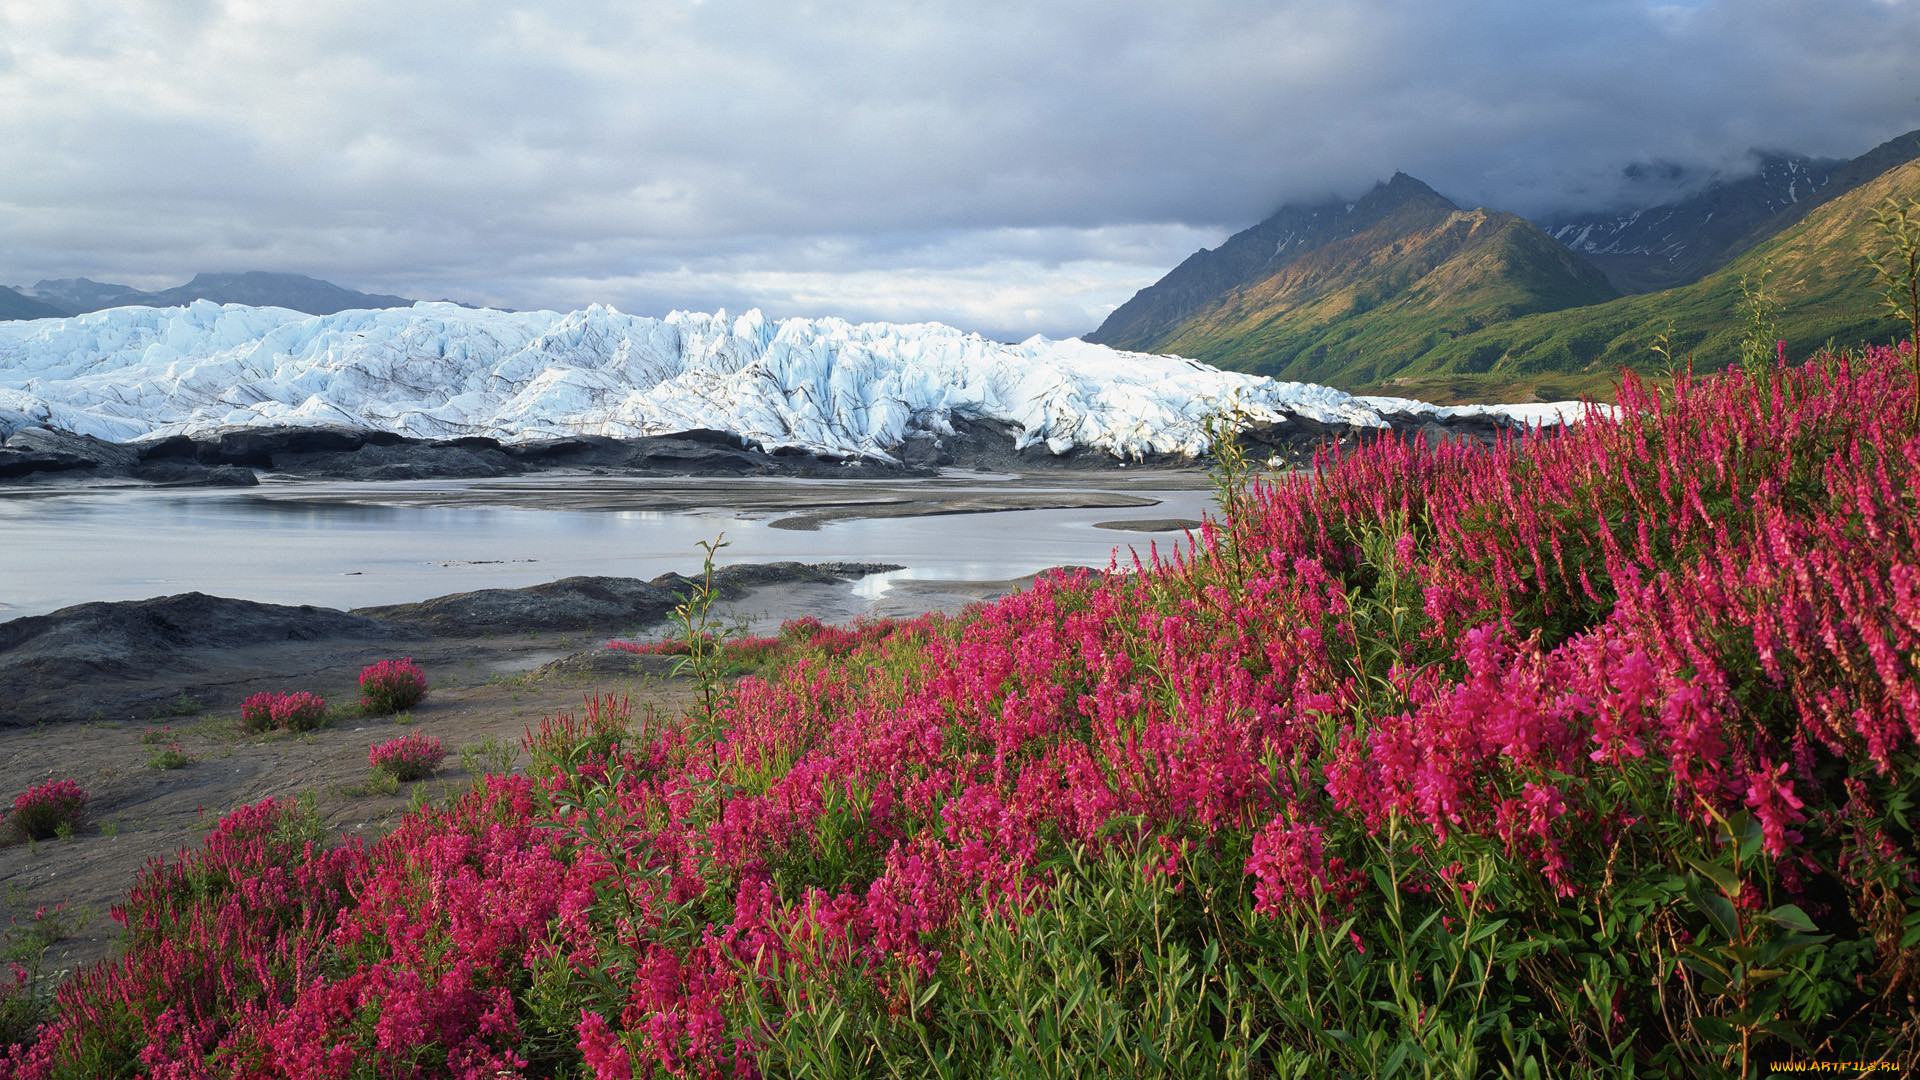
(1586, 755)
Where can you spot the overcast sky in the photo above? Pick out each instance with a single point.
(1007, 167)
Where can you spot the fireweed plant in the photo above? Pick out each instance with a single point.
(392, 685)
(298, 711)
(1583, 755)
(409, 757)
(42, 810)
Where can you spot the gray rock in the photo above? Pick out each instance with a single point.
(611, 603)
(38, 449)
(50, 664)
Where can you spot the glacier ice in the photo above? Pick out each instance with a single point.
(438, 371)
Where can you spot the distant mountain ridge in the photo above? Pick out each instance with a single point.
(1658, 247)
(76, 296)
(14, 305)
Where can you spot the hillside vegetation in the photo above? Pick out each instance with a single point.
(1339, 293)
(1345, 312)
(1587, 755)
(1815, 271)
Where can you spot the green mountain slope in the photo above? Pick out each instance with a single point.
(1348, 293)
(1354, 310)
(1818, 277)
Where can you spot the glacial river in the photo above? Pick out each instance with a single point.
(62, 547)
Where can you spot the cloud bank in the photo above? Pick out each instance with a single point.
(1010, 168)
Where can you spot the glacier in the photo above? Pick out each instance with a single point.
(824, 385)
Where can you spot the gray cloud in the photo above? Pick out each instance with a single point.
(1008, 167)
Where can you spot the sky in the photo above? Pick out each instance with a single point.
(1009, 168)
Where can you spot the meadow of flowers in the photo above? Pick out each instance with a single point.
(1583, 755)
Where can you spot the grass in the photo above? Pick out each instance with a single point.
(170, 756)
(378, 782)
(490, 756)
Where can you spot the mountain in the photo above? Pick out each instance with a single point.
(1813, 269)
(1649, 249)
(262, 289)
(74, 296)
(78, 295)
(1351, 291)
(1682, 241)
(14, 305)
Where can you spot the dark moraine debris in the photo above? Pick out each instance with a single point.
(1294, 441)
(32, 450)
(1150, 525)
(63, 665)
(332, 452)
(135, 656)
(577, 603)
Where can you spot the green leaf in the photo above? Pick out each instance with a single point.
(1791, 917)
(1395, 1060)
(1723, 878)
(1715, 1029)
(1718, 910)
(1791, 945)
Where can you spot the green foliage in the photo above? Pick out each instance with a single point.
(1111, 975)
(378, 782)
(1762, 335)
(1895, 259)
(491, 756)
(705, 659)
(28, 999)
(170, 756)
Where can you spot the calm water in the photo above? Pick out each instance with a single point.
(67, 548)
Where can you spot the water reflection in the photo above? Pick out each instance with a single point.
(127, 544)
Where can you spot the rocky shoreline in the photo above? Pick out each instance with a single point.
(237, 457)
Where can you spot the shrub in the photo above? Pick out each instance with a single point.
(392, 685)
(408, 757)
(256, 713)
(298, 711)
(40, 813)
